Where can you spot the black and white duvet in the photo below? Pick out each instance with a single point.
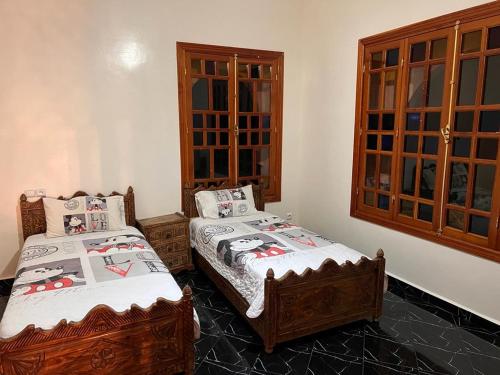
(65, 277)
(242, 249)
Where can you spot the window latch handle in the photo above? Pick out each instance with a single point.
(445, 132)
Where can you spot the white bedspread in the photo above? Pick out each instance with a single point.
(65, 277)
(242, 249)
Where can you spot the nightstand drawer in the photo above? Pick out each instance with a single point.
(162, 233)
(163, 248)
(175, 260)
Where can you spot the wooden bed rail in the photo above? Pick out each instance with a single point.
(298, 305)
(157, 339)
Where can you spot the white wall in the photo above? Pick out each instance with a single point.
(76, 114)
(331, 32)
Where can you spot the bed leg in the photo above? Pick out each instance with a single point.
(269, 349)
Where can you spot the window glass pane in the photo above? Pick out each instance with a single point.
(221, 163)
(455, 219)
(430, 146)
(371, 141)
(385, 173)
(211, 121)
(483, 186)
(211, 139)
(242, 123)
(266, 71)
(197, 139)
(390, 89)
(242, 139)
(468, 82)
(435, 91)
(479, 225)
(428, 179)
(406, 207)
(464, 121)
(199, 92)
(388, 121)
(219, 94)
(223, 138)
(413, 121)
(432, 121)
(254, 72)
(266, 122)
(262, 162)
(201, 164)
(418, 52)
(425, 212)
(471, 42)
(374, 90)
(263, 96)
(245, 96)
(458, 183)
(369, 198)
(371, 164)
(487, 148)
(254, 122)
(195, 66)
(416, 88)
(245, 162)
(376, 60)
(409, 172)
(383, 202)
(392, 57)
(223, 121)
(489, 121)
(210, 67)
(197, 121)
(387, 142)
(254, 138)
(411, 144)
(373, 121)
(438, 48)
(222, 68)
(492, 80)
(242, 71)
(494, 37)
(266, 138)
(461, 147)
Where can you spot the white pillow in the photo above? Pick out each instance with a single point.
(84, 214)
(225, 203)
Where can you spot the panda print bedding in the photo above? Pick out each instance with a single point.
(65, 277)
(242, 249)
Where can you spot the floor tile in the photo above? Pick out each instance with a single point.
(322, 363)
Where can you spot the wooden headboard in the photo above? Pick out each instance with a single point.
(33, 213)
(190, 204)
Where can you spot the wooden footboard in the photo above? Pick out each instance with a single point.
(156, 340)
(298, 305)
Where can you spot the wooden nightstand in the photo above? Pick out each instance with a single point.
(169, 237)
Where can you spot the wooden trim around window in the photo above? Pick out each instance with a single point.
(381, 41)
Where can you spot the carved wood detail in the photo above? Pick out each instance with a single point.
(33, 213)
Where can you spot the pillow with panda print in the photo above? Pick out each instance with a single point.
(83, 214)
(216, 204)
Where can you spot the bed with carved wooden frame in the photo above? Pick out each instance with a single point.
(156, 340)
(299, 305)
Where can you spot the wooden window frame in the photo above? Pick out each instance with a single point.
(392, 37)
(185, 49)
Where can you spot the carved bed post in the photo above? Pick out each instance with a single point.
(380, 284)
(188, 330)
(270, 310)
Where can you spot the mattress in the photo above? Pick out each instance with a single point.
(65, 277)
(242, 249)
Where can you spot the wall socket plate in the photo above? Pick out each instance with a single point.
(289, 216)
(35, 193)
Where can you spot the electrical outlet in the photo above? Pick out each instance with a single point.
(289, 216)
(30, 193)
(41, 192)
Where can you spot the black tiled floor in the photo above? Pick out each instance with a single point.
(417, 334)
